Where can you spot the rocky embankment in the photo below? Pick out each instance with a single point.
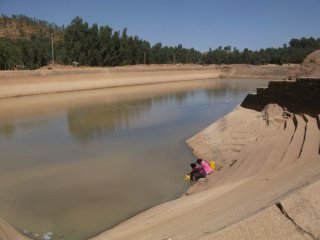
(301, 95)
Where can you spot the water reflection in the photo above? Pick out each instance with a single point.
(93, 122)
(226, 90)
(135, 101)
(7, 129)
(28, 112)
(88, 121)
(98, 120)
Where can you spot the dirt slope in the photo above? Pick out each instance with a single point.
(309, 68)
(295, 217)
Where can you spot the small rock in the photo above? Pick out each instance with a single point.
(46, 237)
(61, 236)
(27, 232)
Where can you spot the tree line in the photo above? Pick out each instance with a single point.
(102, 46)
(295, 52)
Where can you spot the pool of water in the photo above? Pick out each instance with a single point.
(79, 163)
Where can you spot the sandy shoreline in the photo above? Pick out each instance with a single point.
(68, 79)
(43, 81)
(244, 185)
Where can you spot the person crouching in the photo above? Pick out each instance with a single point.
(205, 166)
(197, 172)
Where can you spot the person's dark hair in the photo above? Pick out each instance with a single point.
(199, 161)
(193, 165)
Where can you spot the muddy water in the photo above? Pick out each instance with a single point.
(79, 163)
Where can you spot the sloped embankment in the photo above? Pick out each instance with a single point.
(263, 157)
(309, 68)
(246, 71)
(68, 79)
(277, 153)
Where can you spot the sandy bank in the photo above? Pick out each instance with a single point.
(7, 232)
(295, 217)
(67, 79)
(23, 83)
(270, 71)
(310, 67)
(262, 158)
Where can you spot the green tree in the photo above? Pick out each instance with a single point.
(76, 42)
(94, 56)
(104, 40)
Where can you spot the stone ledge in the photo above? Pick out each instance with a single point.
(297, 96)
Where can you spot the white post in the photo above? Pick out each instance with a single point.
(52, 48)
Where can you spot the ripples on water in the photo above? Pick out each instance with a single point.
(79, 163)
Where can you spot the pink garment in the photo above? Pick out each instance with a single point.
(206, 167)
